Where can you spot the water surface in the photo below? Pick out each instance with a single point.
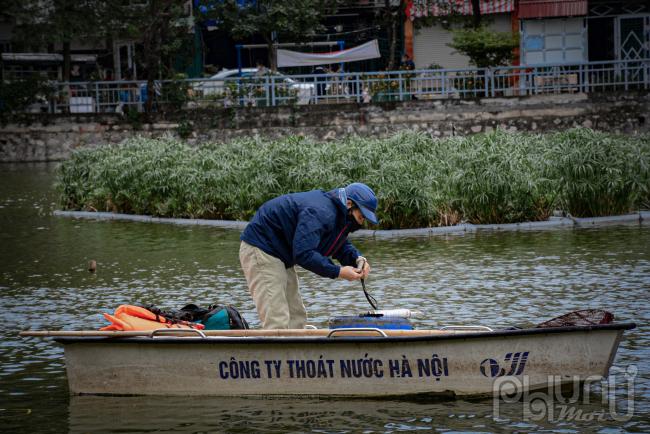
(493, 279)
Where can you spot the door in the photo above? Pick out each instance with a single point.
(602, 39)
(633, 37)
(633, 44)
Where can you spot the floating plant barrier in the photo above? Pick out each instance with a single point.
(421, 181)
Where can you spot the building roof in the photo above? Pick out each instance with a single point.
(552, 8)
(424, 8)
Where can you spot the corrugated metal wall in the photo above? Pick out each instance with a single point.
(435, 8)
(430, 44)
(552, 8)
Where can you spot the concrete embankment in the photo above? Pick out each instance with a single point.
(43, 137)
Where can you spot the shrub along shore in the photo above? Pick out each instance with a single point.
(421, 181)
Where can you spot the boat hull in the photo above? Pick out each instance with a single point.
(461, 364)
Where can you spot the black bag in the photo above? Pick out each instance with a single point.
(215, 317)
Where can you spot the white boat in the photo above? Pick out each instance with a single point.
(338, 362)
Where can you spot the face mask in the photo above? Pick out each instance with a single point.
(354, 226)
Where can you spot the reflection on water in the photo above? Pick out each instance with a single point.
(489, 279)
(213, 414)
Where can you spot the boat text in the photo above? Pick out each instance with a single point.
(435, 367)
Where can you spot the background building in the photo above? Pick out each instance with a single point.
(430, 43)
(551, 31)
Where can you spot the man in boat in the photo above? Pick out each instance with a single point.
(305, 229)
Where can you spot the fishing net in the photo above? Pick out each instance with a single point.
(585, 317)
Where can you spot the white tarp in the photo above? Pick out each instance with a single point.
(369, 50)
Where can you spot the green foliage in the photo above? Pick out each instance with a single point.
(133, 117)
(289, 19)
(381, 88)
(485, 47)
(600, 174)
(294, 21)
(420, 181)
(184, 129)
(176, 93)
(158, 27)
(41, 23)
(497, 178)
(17, 96)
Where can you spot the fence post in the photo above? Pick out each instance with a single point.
(51, 99)
(97, 98)
(486, 90)
(401, 86)
(532, 82)
(492, 84)
(357, 88)
(444, 84)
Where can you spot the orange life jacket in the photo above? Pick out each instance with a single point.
(135, 318)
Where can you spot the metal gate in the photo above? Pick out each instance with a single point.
(633, 37)
(633, 43)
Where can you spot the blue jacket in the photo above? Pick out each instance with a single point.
(305, 229)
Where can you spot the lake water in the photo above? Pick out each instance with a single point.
(494, 279)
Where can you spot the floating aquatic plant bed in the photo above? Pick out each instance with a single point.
(642, 217)
(421, 181)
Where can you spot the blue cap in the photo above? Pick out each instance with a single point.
(365, 199)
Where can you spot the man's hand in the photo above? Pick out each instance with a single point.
(363, 267)
(349, 273)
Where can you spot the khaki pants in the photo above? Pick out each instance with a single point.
(274, 289)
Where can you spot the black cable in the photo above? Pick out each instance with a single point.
(370, 298)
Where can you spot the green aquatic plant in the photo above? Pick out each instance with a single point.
(420, 181)
(497, 178)
(599, 174)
